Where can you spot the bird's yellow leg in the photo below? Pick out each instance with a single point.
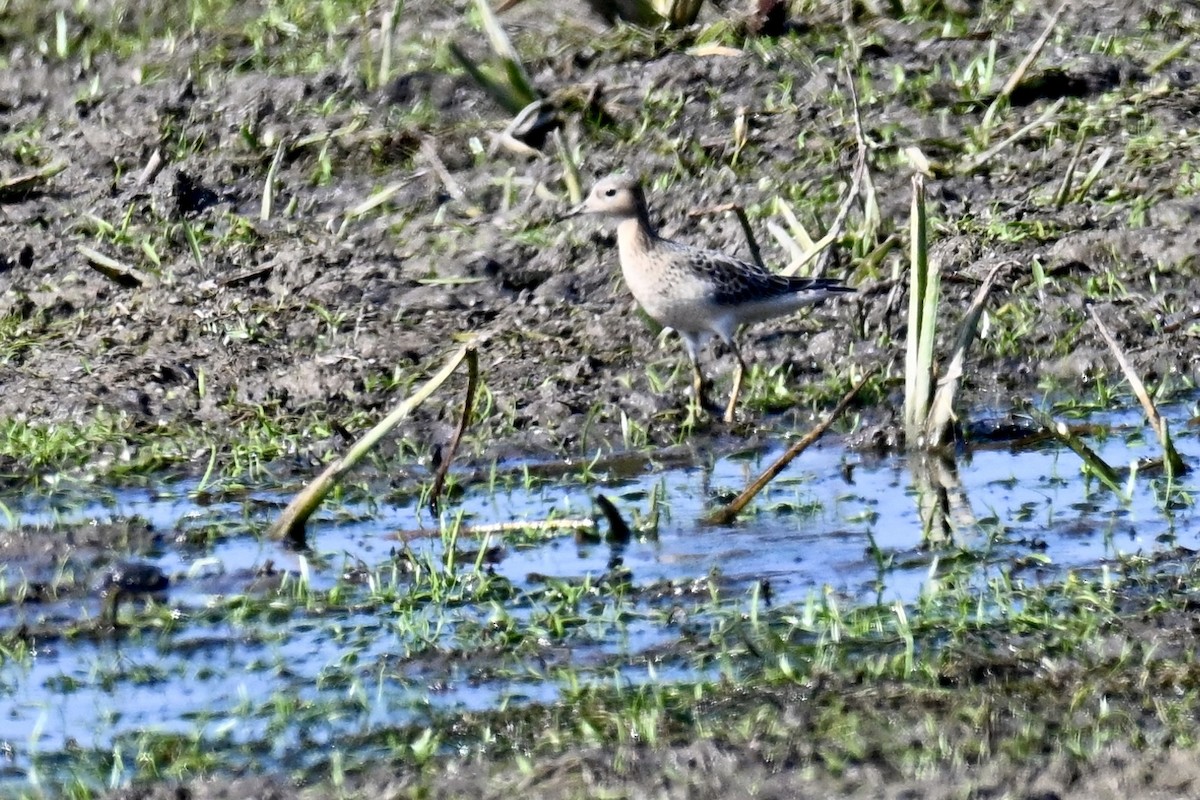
(699, 390)
(738, 376)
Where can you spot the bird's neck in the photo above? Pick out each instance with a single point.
(634, 234)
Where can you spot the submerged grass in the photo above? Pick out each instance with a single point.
(731, 668)
(822, 683)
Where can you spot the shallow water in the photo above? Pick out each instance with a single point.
(833, 521)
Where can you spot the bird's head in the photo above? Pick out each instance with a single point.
(617, 196)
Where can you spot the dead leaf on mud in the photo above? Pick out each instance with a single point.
(713, 50)
(248, 275)
(20, 186)
(122, 274)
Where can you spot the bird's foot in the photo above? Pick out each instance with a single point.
(701, 412)
(706, 405)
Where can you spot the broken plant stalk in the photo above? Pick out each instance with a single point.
(439, 479)
(938, 427)
(1172, 462)
(729, 512)
(1098, 466)
(291, 522)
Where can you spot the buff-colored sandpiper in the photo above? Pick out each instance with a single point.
(696, 292)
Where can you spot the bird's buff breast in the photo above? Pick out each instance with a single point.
(669, 296)
(664, 290)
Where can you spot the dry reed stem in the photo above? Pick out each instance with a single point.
(941, 412)
(464, 420)
(729, 512)
(1171, 459)
(291, 522)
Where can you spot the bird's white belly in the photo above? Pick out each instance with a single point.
(675, 301)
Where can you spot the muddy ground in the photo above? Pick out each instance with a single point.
(702, 770)
(290, 321)
(220, 325)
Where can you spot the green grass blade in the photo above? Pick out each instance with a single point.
(504, 95)
(922, 317)
(519, 82)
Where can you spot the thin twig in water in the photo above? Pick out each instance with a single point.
(1171, 459)
(290, 525)
(439, 480)
(1101, 468)
(728, 513)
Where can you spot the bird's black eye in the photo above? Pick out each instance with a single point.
(610, 192)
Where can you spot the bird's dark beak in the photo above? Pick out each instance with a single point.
(573, 211)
